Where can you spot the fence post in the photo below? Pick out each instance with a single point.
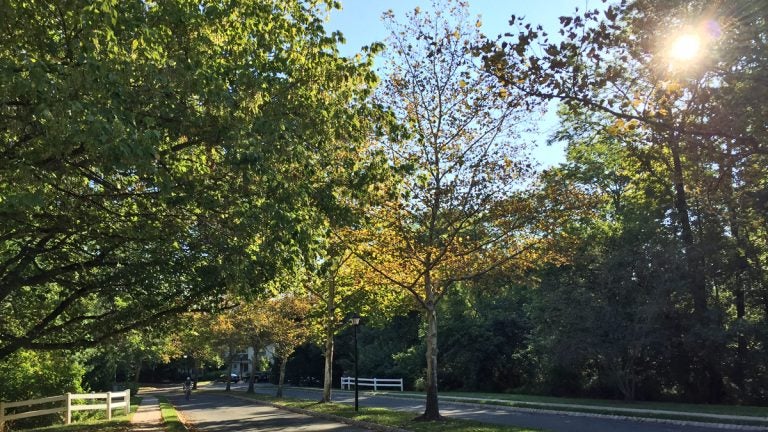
(127, 399)
(68, 401)
(109, 405)
(401, 384)
(374, 384)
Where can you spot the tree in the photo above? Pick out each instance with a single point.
(156, 155)
(617, 63)
(227, 337)
(289, 330)
(462, 210)
(344, 284)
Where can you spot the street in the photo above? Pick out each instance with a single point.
(215, 412)
(495, 414)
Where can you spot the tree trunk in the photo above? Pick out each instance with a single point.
(696, 281)
(253, 364)
(281, 380)
(705, 381)
(137, 372)
(328, 372)
(740, 269)
(432, 411)
(228, 378)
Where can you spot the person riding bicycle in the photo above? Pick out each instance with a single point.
(187, 388)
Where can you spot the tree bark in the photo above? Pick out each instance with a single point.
(432, 410)
(251, 388)
(137, 372)
(228, 378)
(328, 371)
(706, 380)
(696, 282)
(740, 270)
(281, 380)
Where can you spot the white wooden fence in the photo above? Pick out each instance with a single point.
(371, 382)
(68, 406)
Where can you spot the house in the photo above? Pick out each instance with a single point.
(241, 362)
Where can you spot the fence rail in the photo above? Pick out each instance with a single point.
(67, 406)
(371, 382)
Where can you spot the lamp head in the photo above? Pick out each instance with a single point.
(355, 319)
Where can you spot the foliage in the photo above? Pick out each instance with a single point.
(30, 375)
(691, 235)
(156, 155)
(462, 209)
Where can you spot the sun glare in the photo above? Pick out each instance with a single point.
(685, 47)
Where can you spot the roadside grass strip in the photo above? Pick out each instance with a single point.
(720, 414)
(381, 419)
(171, 419)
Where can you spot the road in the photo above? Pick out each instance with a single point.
(499, 415)
(214, 412)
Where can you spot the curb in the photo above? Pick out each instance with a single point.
(349, 421)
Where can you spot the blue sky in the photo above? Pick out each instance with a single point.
(360, 22)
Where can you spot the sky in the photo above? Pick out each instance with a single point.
(360, 22)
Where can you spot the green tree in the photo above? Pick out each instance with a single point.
(156, 155)
(621, 63)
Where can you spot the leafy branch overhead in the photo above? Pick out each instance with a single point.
(157, 155)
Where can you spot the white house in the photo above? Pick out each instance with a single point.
(241, 362)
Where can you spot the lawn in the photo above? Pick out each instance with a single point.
(735, 410)
(170, 417)
(390, 418)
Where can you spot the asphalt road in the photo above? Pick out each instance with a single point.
(499, 415)
(212, 412)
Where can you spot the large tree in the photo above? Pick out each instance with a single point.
(155, 154)
(683, 78)
(462, 209)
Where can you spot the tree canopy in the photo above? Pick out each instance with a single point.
(155, 155)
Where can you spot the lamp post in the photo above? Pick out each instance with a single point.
(355, 320)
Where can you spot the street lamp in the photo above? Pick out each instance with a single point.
(355, 320)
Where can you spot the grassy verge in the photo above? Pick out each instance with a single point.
(390, 418)
(170, 417)
(737, 410)
(677, 411)
(98, 423)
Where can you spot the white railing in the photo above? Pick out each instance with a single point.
(371, 382)
(67, 407)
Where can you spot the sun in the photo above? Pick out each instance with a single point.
(685, 47)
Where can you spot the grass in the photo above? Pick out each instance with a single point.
(170, 417)
(98, 423)
(391, 418)
(613, 407)
(738, 410)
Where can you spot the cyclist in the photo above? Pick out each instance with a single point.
(187, 388)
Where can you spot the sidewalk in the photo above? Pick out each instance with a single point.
(147, 418)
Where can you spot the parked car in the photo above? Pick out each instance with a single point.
(235, 378)
(258, 377)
